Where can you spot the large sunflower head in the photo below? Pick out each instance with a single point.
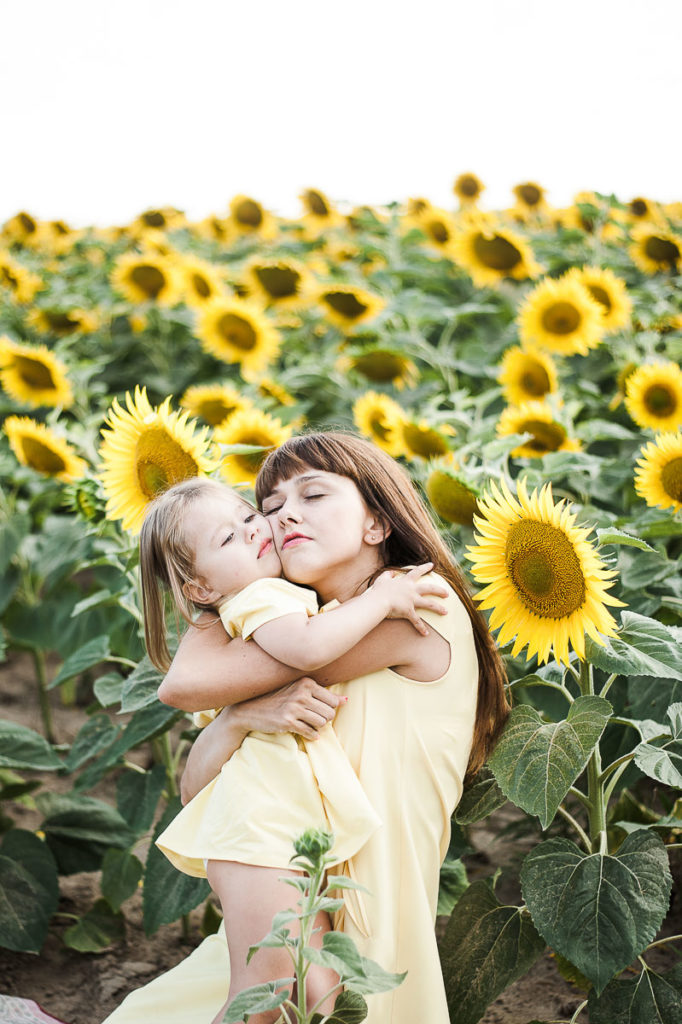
(538, 420)
(283, 283)
(39, 447)
(214, 403)
(63, 321)
(562, 316)
(468, 188)
(380, 419)
(33, 375)
(348, 306)
(383, 365)
(545, 582)
(653, 396)
(527, 375)
(237, 331)
(655, 249)
(248, 217)
(20, 282)
(424, 441)
(201, 281)
(489, 254)
(608, 291)
(453, 498)
(147, 277)
(249, 427)
(659, 472)
(145, 451)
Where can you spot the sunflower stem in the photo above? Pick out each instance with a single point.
(577, 1013)
(662, 942)
(43, 697)
(596, 807)
(577, 826)
(608, 684)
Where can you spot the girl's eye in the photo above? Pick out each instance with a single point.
(250, 517)
(227, 540)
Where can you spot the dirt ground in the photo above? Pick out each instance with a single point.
(85, 988)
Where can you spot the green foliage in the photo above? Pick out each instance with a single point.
(167, 894)
(651, 998)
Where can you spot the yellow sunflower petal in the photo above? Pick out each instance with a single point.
(561, 315)
(33, 375)
(237, 331)
(658, 478)
(39, 447)
(253, 427)
(380, 418)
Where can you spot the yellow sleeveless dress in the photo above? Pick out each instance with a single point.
(409, 743)
(276, 785)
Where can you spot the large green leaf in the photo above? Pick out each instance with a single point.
(650, 998)
(12, 532)
(452, 883)
(87, 656)
(480, 798)
(358, 973)
(614, 536)
(486, 947)
(121, 872)
(168, 893)
(139, 689)
(257, 999)
(100, 928)
(79, 830)
(649, 697)
(349, 1008)
(643, 647)
(598, 910)
(108, 689)
(23, 748)
(96, 735)
(137, 796)
(662, 763)
(536, 762)
(28, 891)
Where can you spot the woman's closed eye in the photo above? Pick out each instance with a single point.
(271, 511)
(227, 540)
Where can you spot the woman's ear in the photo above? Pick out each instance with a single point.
(199, 594)
(377, 529)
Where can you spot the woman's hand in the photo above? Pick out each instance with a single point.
(301, 707)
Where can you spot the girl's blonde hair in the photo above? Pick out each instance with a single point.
(167, 562)
(413, 538)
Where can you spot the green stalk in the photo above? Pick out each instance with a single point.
(596, 807)
(43, 697)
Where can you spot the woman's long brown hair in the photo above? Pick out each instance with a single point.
(413, 539)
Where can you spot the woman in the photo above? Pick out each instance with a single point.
(421, 711)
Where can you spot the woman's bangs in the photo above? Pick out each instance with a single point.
(328, 453)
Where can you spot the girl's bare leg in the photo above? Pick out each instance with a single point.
(250, 897)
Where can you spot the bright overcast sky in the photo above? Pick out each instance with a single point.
(112, 106)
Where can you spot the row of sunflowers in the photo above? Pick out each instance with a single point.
(523, 364)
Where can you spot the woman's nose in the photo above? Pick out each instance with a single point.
(288, 513)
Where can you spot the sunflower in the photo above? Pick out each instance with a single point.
(215, 229)
(653, 396)
(22, 228)
(609, 291)
(416, 206)
(166, 218)
(381, 419)
(468, 189)
(655, 248)
(37, 446)
(33, 375)
(659, 472)
(546, 585)
(527, 375)
(249, 427)
(201, 280)
(238, 331)
(347, 306)
(248, 217)
(383, 366)
(537, 419)
(319, 213)
(63, 321)
(530, 198)
(22, 283)
(146, 277)
(452, 497)
(145, 451)
(438, 226)
(561, 315)
(270, 389)
(282, 283)
(214, 403)
(421, 440)
(640, 209)
(490, 254)
(57, 237)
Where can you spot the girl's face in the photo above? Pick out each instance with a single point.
(326, 536)
(232, 545)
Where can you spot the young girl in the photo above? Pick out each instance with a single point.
(212, 550)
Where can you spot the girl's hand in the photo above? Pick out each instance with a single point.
(302, 707)
(405, 592)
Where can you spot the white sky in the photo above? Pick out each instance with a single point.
(112, 106)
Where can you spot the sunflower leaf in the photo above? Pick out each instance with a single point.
(644, 647)
(650, 998)
(661, 763)
(598, 910)
(536, 762)
(480, 798)
(613, 536)
(90, 654)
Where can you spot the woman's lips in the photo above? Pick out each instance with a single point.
(265, 547)
(293, 539)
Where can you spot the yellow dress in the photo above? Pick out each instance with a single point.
(409, 743)
(276, 785)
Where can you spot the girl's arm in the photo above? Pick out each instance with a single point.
(309, 643)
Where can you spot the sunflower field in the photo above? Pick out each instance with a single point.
(524, 365)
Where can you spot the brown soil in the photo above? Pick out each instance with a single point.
(85, 988)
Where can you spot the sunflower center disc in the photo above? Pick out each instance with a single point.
(544, 569)
(468, 185)
(214, 411)
(424, 442)
(530, 194)
(561, 318)
(279, 282)
(661, 250)
(42, 458)
(237, 331)
(154, 219)
(316, 203)
(535, 381)
(438, 231)
(27, 223)
(148, 279)
(671, 479)
(660, 400)
(379, 365)
(249, 212)
(34, 373)
(547, 437)
(638, 207)
(345, 303)
(8, 278)
(601, 295)
(496, 252)
(61, 322)
(201, 286)
(161, 462)
(451, 499)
